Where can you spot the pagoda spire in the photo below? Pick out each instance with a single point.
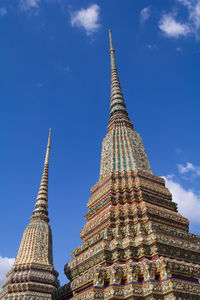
(122, 148)
(41, 205)
(117, 103)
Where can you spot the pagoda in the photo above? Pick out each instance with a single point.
(33, 275)
(135, 244)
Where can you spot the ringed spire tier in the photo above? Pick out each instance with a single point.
(33, 275)
(135, 244)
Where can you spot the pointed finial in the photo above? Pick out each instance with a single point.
(112, 51)
(117, 103)
(111, 42)
(48, 148)
(49, 139)
(41, 205)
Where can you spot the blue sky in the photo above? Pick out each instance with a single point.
(56, 73)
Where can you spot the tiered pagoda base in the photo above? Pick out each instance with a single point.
(135, 244)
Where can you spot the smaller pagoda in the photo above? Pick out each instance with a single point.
(33, 275)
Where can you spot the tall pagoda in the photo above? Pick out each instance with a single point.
(135, 244)
(33, 275)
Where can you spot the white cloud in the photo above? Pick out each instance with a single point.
(193, 7)
(26, 5)
(189, 167)
(191, 26)
(188, 202)
(87, 18)
(152, 47)
(172, 28)
(5, 265)
(3, 11)
(179, 49)
(178, 150)
(67, 68)
(145, 14)
(39, 84)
